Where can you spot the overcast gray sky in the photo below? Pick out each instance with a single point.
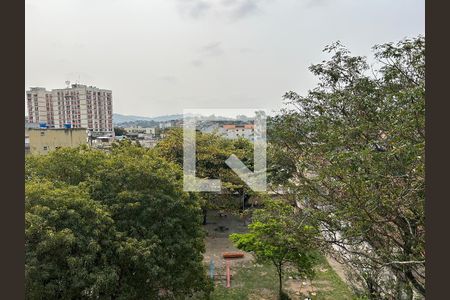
(161, 56)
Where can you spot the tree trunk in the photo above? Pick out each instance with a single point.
(372, 288)
(205, 212)
(419, 287)
(404, 290)
(280, 280)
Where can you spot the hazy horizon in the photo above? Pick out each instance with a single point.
(163, 56)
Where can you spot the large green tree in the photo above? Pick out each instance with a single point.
(154, 227)
(212, 151)
(282, 235)
(70, 243)
(68, 165)
(144, 194)
(352, 151)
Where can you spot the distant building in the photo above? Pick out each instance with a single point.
(80, 106)
(149, 143)
(166, 124)
(102, 142)
(30, 125)
(43, 140)
(209, 127)
(119, 138)
(233, 131)
(143, 130)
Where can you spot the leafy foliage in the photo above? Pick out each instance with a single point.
(119, 131)
(276, 236)
(131, 220)
(212, 151)
(352, 151)
(70, 243)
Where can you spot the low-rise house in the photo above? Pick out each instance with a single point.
(149, 143)
(143, 130)
(102, 142)
(43, 140)
(233, 131)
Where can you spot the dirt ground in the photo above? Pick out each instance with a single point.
(220, 225)
(218, 230)
(338, 268)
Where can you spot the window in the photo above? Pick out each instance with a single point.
(42, 133)
(45, 148)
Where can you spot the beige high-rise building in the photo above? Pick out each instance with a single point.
(80, 106)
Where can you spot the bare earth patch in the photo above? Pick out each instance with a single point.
(259, 281)
(217, 241)
(263, 294)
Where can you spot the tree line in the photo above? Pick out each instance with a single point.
(351, 152)
(348, 158)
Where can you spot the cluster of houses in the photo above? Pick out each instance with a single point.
(231, 131)
(42, 139)
(79, 114)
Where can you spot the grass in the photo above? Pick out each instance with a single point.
(250, 280)
(256, 282)
(329, 285)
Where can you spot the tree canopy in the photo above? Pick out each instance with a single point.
(349, 154)
(70, 242)
(212, 151)
(352, 151)
(123, 210)
(277, 235)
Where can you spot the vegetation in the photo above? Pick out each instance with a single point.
(349, 157)
(111, 225)
(139, 123)
(260, 281)
(212, 152)
(69, 240)
(277, 235)
(119, 131)
(329, 286)
(352, 153)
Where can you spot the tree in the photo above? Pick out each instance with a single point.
(352, 151)
(212, 151)
(119, 131)
(68, 165)
(70, 241)
(145, 197)
(156, 237)
(277, 235)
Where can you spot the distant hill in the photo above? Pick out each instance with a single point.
(118, 118)
(122, 119)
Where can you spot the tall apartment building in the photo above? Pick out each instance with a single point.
(79, 105)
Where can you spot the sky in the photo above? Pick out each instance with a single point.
(162, 56)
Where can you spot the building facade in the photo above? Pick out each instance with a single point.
(143, 130)
(80, 106)
(232, 131)
(41, 140)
